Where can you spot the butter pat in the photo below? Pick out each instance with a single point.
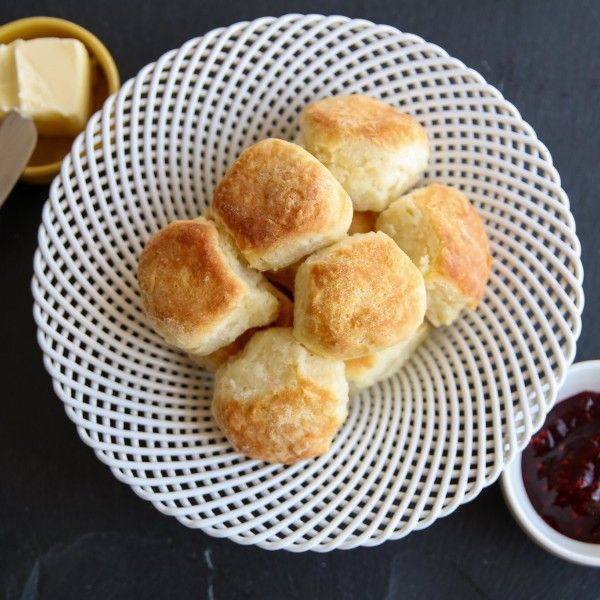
(49, 80)
(54, 82)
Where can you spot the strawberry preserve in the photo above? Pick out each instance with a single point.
(561, 468)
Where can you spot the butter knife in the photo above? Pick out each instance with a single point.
(18, 137)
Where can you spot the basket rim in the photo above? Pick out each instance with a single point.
(38, 283)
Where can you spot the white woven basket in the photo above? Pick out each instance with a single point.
(414, 447)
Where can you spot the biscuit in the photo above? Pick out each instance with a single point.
(374, 150)
(367, 370)
(445, 237)
(214, 360)
(278, 402)
(279, 204)
(359, 296)
(195, 290)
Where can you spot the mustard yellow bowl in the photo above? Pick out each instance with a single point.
(49, 152)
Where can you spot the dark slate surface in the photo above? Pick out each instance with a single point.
(68, 529)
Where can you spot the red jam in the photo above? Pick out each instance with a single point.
(561, 468)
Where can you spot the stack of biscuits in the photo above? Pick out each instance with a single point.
(314, 273)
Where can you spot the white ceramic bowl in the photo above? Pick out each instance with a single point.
(583, 376)
(414, 447)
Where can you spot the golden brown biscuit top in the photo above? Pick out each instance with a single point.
(276, 191)
(464, 252)
(283, 426)
(363, 117)
(362, 294)
(185, 280)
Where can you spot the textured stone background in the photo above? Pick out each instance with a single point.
(68, 529)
